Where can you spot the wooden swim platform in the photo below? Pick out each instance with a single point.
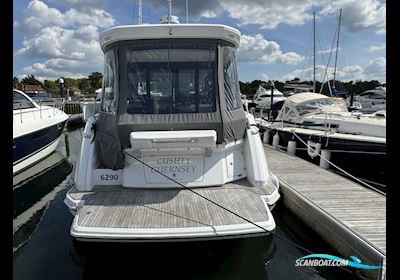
(349, 216)
(154, 214)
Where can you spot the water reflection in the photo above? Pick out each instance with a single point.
(33, 188)
(221, 259)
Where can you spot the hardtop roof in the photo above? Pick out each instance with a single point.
(169, 31)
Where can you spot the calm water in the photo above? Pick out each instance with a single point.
(43, 248)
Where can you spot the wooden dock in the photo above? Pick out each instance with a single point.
(348, 216)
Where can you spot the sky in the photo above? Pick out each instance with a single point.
(54, 38)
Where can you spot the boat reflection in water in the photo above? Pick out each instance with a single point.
(33, 189)
(222, 259)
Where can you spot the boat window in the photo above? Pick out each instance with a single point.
(168, 78)
(265, 95)
(289, 114)
(231, 81)
(378, 96)
(312, 106)
(109, 83)
(21, 102)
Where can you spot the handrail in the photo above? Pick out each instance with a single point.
(57, 103)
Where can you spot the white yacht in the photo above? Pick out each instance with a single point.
(262, 98)
(36, 130)
(371, 100)
(158, 166)
(351, 138)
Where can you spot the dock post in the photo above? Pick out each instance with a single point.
(291, 147)
(327, 155)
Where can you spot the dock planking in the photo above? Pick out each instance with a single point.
(349, 216)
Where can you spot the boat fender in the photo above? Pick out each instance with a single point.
(313, 148)
(291, 148)
(275, 140)
(266, 137)
(324, 160)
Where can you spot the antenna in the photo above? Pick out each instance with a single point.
(169, 10)
(314, 50)
(187, 12)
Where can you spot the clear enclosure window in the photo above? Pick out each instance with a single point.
(21, 102)
(109, 83)
(231, 81)
(312, 106)
(168, 78)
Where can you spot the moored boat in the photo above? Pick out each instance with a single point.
(171, 155)
(36, 130)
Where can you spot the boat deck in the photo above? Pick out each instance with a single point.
(153, 210)
(349, 216)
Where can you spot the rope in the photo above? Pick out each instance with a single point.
(345, 172)
(226, 209)
(340, 151)
(366, 180)
(209, 200)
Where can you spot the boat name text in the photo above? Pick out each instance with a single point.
(173, 165)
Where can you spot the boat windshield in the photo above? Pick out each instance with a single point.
(168, 78)
(21, 102)
(325, 105)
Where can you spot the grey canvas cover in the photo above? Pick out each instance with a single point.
(169, 85)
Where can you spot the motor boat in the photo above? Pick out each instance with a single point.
(371, 100)
(350, 139)
(36, 130)
(90, 107)
(262, 98)
(171, 155)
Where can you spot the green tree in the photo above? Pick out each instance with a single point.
(84, 85)
(15, 82)
(30, 80)
(50, 86)
(69, 83)
(95, 80)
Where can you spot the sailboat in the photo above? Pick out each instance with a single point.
(318, 124)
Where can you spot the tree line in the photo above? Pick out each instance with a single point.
(250, 88)
(94, 81)
(85, 85)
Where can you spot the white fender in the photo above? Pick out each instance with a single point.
(275, 140)
(266, 137)
(313, 148)
(291, 148)
(256, 163)
(85, 166)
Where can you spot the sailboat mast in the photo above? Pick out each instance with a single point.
(140, 13)
(187, 12)
(337, 49)
(314, 50)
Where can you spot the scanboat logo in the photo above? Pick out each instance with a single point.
(329, 260)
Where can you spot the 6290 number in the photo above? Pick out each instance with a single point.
(108, 177)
